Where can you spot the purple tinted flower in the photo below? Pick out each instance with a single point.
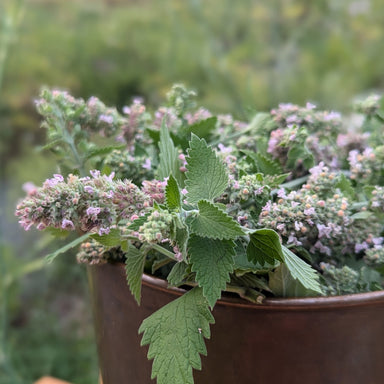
(89, 189)
(324, 231)
(361, 247)
(310, 106)
(147, 164)
(104, 231)
(332, 116)
(67, 224)
(95, 173)
(93, 211)
(29, 188)
(106, 119)
(309, 211)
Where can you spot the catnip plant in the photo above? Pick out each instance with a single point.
(289, 205)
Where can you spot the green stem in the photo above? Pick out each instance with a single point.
(163, 251)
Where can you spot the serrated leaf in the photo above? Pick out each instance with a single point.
(300, 153)
(283, 284)
(213, 223)
(52, 256)
(267, 166)
(172, 194)
(264, 247)
(206, 174)
(274, 181)
(112, 239)
(181, 238)
(177, 274)
(259, 123)
(175, 334)
(243, 265)
(301, 271)
(136, 224)
(212, 260)
(362, 215)
(345, 186)
(169, 157)
(103, 151)
(203, 128)
(134, 267)
(264, 164)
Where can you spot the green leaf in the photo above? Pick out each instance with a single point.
(136, 224)
(172, 194)
(267, 165)
(212, 222)
(264, 247)
(302, 271)
(112, 239)
(362, 215)
(52, 256)
(169, 157)
(206, 174)
(264, 164)
(103, 151)
(178, 272)
(203, 128)
(243, 265)
(345, 186)
(134, 267)
(283, 284)
(175, 334)
(302, 153)
(181, 238)
(258, 124)
(274, 181)
(212, 260)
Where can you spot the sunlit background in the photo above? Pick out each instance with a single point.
(240, 56)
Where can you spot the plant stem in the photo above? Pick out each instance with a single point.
(163, 251)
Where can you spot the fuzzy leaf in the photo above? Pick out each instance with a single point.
(175, 334)
(112, 239)
(283, 284)
(169, 157)
(212, 260)
(264, 247)
(177, 274)
(134, 267)
(136, 224)
(103, 151)
(267, 165)
(243, 265)
(206, 174)
(300, 153)
(172, 194)
(301, 271)
(52, 256)
(345, 186)
(203, 128)
(212, 222)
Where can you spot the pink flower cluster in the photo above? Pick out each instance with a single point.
(319, 218)
(87, 204)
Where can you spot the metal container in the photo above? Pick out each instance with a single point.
(332, 340)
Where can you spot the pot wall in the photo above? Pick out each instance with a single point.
(295, 341)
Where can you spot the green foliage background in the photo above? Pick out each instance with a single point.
(240, 57)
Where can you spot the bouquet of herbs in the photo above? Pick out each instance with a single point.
(289, 204)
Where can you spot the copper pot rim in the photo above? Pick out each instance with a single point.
(302, 303)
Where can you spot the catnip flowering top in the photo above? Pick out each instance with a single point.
(289, 204)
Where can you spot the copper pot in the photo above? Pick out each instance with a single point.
(332, 340)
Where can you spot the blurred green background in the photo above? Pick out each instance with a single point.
(238, 55)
